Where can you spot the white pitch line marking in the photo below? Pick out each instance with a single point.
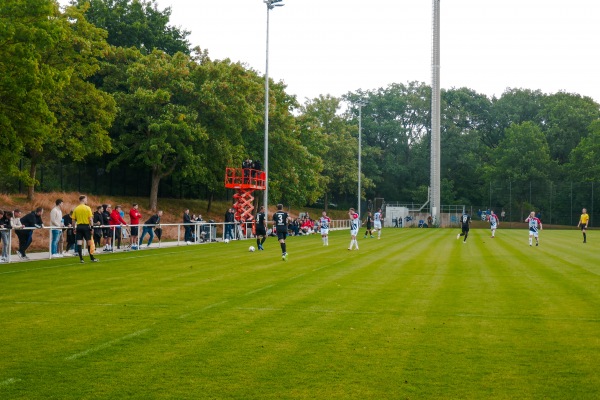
(50, 303)
(308, 311)
(9, 381)
(258, 290)
(208, 307)
(105, 345)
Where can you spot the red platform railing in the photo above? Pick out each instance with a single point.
(244, 178)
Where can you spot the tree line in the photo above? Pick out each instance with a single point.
(112, 82)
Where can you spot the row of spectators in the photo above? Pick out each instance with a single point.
(107, 223)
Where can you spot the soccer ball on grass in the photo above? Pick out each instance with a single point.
(251, 249)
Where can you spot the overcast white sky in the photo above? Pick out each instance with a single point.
(337, 46)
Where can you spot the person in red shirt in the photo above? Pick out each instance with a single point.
(116, 221)
(134, 221)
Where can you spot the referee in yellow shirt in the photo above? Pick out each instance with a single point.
(583, 223)
(83, 220)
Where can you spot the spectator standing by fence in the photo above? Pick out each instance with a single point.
(68, 223)
(33, 220)
(229, 223)
(116, 221)
(187, 228)
(149, 226)
(98, 222)
(56, 223)
(134, 221)
(5, 227)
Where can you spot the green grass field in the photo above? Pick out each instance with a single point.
(416, 315)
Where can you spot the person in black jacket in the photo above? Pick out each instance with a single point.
(98, 221)
(5, 227)
(106, 233)
(187, 220)
(68, 222)
(31, 220)
(229, 224)
(149, 226)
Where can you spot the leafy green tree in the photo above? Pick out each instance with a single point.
(157, 128)
(228, 106)
(566, 118)
(294, 172)
(465, 119)
(28, 27)
(395, 122)
(137, 23)
(585, 158)
(83, 114)
(523, 156)
(329, 136)
(70, 117)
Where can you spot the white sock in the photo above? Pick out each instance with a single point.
(530, 240)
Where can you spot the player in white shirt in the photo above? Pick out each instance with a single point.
(535, 225)
(494, 223)
(324, 222)
(354, 224)
(378, 222)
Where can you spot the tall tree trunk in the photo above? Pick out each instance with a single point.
(31, 186)
(326, 202)
(154, 190)
(210, 200)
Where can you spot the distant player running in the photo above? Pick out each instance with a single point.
(369, 221)
(378, 222)
(261, 227)
(324, 222)
(583, 223)
(465, 225)
(494, 223)
(535, 225)
(354, 224)
(280, 220)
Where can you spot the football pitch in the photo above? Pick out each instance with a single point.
(415, 315)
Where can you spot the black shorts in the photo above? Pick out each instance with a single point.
(583, 227)
(260, 231)
(465, 228)
(281, 235)
(134, 231)
(106, 232)
(368, 226)
(83, 232)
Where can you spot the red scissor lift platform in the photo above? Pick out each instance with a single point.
(244, 181)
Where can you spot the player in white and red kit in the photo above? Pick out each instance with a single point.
(494, 223)
(324, 222)
(378, 217)
(354, 224)
(535, 225)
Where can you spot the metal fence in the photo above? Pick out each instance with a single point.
(170, 235)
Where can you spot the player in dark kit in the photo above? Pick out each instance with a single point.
(280, 221)
(261, 227)
(465, 221)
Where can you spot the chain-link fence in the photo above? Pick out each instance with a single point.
(556, 203)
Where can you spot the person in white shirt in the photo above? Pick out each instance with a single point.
(56, 222)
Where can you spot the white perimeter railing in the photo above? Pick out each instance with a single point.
(171, 235)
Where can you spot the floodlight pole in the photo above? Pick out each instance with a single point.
(270, 5)
(435, 115)
(360, 105)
